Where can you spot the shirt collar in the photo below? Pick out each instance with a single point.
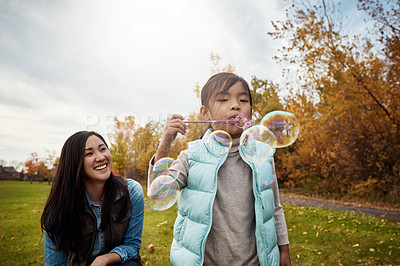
(90, 201)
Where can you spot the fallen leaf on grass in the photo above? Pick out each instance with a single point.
(151, 248)
(165, 222)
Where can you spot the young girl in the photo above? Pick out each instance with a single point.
(91, 215)
(226, 216)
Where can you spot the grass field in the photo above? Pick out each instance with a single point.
(317, 236)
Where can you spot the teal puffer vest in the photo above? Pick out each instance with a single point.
(195, 204)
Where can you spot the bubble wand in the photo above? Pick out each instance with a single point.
(241, 121)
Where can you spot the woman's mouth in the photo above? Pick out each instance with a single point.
(101, 167)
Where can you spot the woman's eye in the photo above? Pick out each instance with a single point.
(103, 149)
(244, 101)
(88, 154)
(222, 100)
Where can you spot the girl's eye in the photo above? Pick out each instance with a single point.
(103, 149)
(222, 100)
(88, 154)
(244, 101)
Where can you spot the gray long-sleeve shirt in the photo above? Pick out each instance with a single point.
(232, 240)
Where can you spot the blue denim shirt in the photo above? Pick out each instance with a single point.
(133, 236)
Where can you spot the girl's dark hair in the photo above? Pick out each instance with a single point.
(64, 211)
(221, 82)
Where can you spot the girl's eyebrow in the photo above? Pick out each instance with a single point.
(224, 92)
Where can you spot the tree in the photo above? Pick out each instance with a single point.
(353, 85)
(51, 163)
(215, 65)
(34, 166)
(122, 144)
(31, 165)
(265, 98)
(145, 143)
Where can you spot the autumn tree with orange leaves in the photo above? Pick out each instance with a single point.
(348, 101)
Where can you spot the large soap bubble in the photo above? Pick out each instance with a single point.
(258, 144)
(284, 125)
(223, 142)
(163, 192)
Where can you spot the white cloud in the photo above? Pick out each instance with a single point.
(74, 65)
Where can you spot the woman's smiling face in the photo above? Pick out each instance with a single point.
(97, 161)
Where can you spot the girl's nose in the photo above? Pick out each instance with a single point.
(235, 106)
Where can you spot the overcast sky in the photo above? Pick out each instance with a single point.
(67, 66)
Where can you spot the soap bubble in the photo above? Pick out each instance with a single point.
(163, 192)
(284, 125)
(258, 144)
(163, 164)
(242, 121)
(248, 124)
(223, 139)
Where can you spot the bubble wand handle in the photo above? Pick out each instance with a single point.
(240, 121)
(211, 121)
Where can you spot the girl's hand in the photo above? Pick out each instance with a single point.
(173, 126)
(284, 256)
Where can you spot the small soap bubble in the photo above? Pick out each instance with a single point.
(248, 124)
(223, 141)
(241, 121)
(163, 164)
(284, 125)
(163, 192)
(258, 144)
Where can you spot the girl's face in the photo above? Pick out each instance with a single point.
(226, 106)
(97, 162)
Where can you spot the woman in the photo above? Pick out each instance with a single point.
(91, 217)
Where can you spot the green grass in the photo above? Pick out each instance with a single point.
(317, 236)
(326, 237)
(21, 205)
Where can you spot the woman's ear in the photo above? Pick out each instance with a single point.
(205, 113)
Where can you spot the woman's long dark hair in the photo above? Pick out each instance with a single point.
(64, 211)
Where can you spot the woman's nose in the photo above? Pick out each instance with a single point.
(100, 157)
